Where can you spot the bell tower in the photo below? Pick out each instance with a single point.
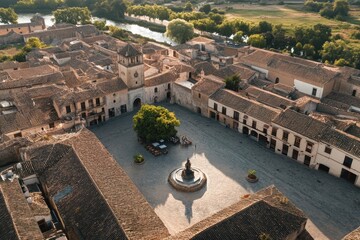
(131, 66)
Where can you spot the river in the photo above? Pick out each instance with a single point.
(134, 28)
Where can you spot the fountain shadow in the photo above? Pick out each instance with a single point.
(187, 199)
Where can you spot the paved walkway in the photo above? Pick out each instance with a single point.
(332, 204)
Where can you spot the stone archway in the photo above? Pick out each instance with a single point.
(137, 103)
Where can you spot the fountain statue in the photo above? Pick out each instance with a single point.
(187, 179)
(187, 173)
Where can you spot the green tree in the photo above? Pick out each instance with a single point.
(188, 7)
(33, 43)
(205, 24)
(8, 15)
(265, 26)
(238, 38)
(257, 40)
(341, 7)
(73, 15)
(101, 25)
(232, 82)
(179, 30)
(309, 50)
(7, 3)
(226, 28)
(206, 8)
(279, 37)
(298, 48)
(153, 123)
(113, 9)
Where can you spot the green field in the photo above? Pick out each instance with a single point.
(291, 16)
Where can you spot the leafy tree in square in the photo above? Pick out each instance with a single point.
(153, 123)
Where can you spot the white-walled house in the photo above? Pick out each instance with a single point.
(297, 136)
(158, 88)
(339, 154)
(244, 115)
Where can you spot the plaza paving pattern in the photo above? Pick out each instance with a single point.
(225, 156)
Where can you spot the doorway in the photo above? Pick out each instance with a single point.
(137, 103)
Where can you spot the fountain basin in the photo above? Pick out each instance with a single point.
(187, 185)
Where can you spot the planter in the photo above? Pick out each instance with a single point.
(252, 179)
(139, 163)
(139, 159)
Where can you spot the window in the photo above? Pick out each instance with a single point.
(83, 107)
(327, 150)
(223, 111)
(68, 109)
(253, 124)
(297, 141)
(347, 161)
(114, 101)
(314, 90)
(285, 136)
(274, 131)
(236, 115)
(199, 95)
(83, 115)
(169, 86)
(97, 101)
(309, 146)
(215, 106)
(244, 121)
(91, 103)
(51, 125)
(137, 58)
(155, 90)
(353, 93)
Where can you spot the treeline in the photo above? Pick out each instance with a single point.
(338, 9)
(112, 9)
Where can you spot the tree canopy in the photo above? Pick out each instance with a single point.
(257, 40)
(8, 15)
(232, 82)
(73, 15)
(153, 123)
(179, 30)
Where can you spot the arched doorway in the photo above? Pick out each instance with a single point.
(137, 103)
(277, 80)
(254, 134)
(245, 130)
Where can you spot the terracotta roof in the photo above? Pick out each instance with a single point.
(268, 98)
(31, 72)
(301, 124)
(129, 51)
(232, 100)
(164, 77)
(262, 212)
(208, 86)
(230, 70)
(202, 40)
(304, 70)
(111, 86)
(16, 218)
(206, 66)
(342, 141)
(262, 113)
(55, 77)
(154, 46)
(77, 173)
(342, 101)
(354, 235)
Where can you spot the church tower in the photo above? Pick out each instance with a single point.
(131, 66)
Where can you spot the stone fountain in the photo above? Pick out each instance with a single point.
(187, 179)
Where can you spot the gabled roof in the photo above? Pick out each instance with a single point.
(254, 220)
(268, 98)
(129, 51)
(161, 78)
(266, 211)
(342, 141)
(207, 67)
(232, 99)
(209, 85)
(16, 218)
(93, 194)
(301, 124)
